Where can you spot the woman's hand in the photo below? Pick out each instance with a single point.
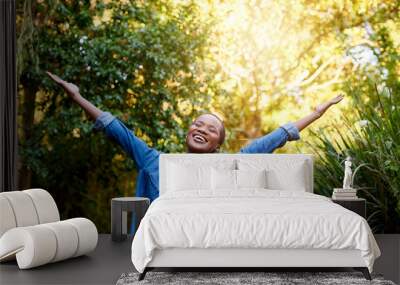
(73, 92)
(320, 109)
(71, 89)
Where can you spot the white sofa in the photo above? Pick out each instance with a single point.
(31, 231)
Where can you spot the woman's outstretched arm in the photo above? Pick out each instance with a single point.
(319, 111)
(287, 132)
(137, 149)
(73, 92)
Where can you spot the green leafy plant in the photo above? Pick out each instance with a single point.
(373, 139)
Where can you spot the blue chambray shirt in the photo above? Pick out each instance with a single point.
(146, 158)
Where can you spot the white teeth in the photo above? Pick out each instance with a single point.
(199, 138)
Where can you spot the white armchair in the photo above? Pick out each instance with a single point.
(31, 230)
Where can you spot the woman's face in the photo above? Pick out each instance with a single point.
(204, 134)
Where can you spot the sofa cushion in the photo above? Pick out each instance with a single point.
(45, 205)
(7, 220)
(24, 210)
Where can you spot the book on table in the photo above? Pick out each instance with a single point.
(341, 190)
(336, 197)
(344, 194)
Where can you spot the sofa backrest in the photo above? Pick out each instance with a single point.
(284, 171)
(26, 208)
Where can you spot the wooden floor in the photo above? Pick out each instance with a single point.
(110, 259)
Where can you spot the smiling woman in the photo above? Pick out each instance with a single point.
(205, 135)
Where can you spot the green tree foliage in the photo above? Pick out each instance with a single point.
(140, 60)
(371, 135)
(279, 59)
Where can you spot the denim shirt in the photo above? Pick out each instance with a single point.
(146, 158)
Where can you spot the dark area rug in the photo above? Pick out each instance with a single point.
(228, 278)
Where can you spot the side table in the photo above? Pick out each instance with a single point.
(119, 209)
(356, 205)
